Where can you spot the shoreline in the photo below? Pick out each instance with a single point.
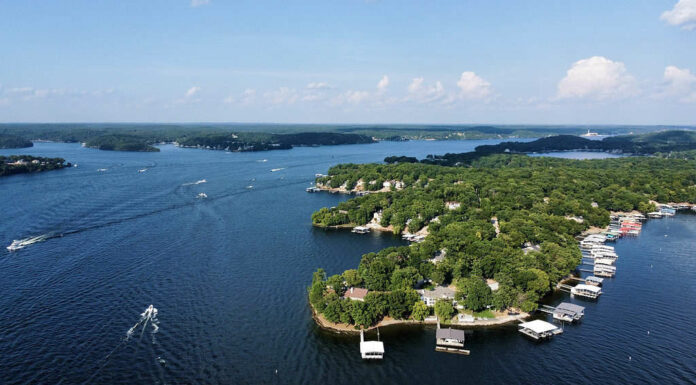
(387, 321)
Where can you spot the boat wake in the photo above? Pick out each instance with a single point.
(148, 316)
(22, 243)
(196, 182)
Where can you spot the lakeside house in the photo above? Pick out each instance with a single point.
(453, 205)
(356, 294)
(430, 297)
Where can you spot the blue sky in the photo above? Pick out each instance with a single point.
(350, 61)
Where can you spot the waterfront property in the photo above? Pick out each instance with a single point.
(450, 340)
(586, 291)
(371, 350)
(568, 312)
(355, 293)
(312, 189)
(430, 297)
(539, 329)
(594, 281)
(360, 230)
(607, 271)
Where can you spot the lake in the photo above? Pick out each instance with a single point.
(228, 275)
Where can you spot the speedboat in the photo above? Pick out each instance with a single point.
(16, 245)
(202, 195)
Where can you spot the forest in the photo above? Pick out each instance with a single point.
(21, 164)
(14, 141)
(540, 204)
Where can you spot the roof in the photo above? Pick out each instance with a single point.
(450, 334)
(439, 292)
(372, 347)
(591, 288)
(356, 293)
(592, 278)
(538, 326)
(570, 307)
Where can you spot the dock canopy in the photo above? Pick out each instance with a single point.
(594, 280)
(539, 327)
(591, 289)
(450, 334)
(568, 312)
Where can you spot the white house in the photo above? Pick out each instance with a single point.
(439, 292)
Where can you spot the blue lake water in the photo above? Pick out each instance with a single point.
(228, 275)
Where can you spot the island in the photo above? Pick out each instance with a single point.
(14, 141)
(490, 238)
(22, 164)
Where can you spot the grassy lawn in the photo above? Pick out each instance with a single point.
(484, 314)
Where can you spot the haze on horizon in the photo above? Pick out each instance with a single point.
(352, 61)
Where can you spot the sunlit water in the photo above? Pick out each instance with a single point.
(228, 276)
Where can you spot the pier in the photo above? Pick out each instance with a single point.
(539, 329)
(450, 340)
(371, 350)
(565, 311)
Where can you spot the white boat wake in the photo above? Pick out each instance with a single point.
(148, 316)
(22, 243)
(196, 182)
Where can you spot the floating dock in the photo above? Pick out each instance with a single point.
(450, 341)
(371, 350)
(539, 329)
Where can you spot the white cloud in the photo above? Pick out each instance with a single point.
(383, 84)
(282, 95)
(192, 91)
(247, 97)
(318, 86)
(680, 84)
(198, 3)
(683, 13)
(471, 86)
(596, 78)
(420, 92)
(351, 97)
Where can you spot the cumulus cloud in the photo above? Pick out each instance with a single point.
(383, 84)
(471, 86)
(282, 95)
(318, 86)
(192, 91)
(198, 3)
(679, 83)
(419, 91)
(247, 97)
(596, 78)
(683, 13)
(351, 97)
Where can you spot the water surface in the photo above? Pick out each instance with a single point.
(229, 275)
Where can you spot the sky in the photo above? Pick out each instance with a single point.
(349, 61)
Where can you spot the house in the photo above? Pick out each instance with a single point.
(355, 293)
(439, 292)
(453, 205)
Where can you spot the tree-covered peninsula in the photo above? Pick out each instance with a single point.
(22, 164)
(507, 219)
(14, 141)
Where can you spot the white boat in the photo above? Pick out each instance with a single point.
(142, 170)
(360, 230)
(202, 195)
(16, 245)
(250, 187)
(589, 134)
(22, 243)
(101, 169)
(277, 169)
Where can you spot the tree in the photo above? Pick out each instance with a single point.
(401, 302)
(478, 295)
(336, 283)
(316, 295)
(377, 276)
(405, 278)
(420, 311)
(361, 314)
(352, 278)
(318, 276)
(444, 310)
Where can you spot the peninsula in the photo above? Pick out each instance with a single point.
(497, 233)
(22, 164)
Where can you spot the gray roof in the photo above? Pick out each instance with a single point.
(570, 308)
(451, 334)
(439, 292)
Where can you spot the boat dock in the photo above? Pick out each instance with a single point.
(371, 350)
(565, 311)
(312, 189)
(539, 329)
(360, 230)
(450, 341)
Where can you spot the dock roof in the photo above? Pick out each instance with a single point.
(570, 307)
(450, 334)
(372, 347)
(538, 326)
(590, 288)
